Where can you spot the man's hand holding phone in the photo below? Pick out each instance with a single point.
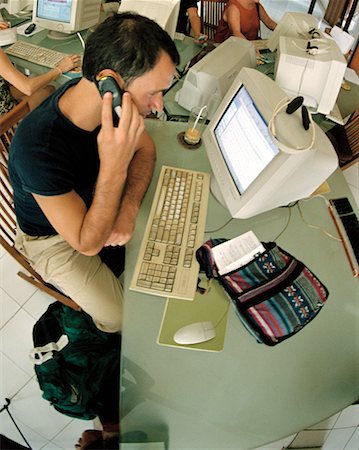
(117, 145)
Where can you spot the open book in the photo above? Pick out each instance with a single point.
(236, 252)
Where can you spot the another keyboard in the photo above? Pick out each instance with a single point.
(35, 54)
(166, 264)
(260, 44)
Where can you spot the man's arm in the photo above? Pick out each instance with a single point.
(88, 230)
(138, 178)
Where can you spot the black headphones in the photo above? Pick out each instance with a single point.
(313, 49)
(314, 46)
(291, 106)
(314, 33)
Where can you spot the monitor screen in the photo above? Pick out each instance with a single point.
(59, 10)
(242, 135)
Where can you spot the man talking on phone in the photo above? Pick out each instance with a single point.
(79, 174)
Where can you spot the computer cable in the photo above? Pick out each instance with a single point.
(289, 208)
(219, 228)
(81, 39)
(317, 227)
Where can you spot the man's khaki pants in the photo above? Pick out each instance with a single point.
(86, 279)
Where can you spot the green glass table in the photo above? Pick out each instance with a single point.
(248, 394)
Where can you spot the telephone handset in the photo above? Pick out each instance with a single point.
(107, 83)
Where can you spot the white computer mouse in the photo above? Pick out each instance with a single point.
(195, 333)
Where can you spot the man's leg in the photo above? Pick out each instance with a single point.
(86, 279)
(114, 258)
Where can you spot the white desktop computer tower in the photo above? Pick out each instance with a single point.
(316, 74)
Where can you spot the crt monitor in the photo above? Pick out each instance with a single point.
(65, 17)
(164, 12)
(20, 7)
(313, 69)
(256, 169)
(294, 24)
(208, 80)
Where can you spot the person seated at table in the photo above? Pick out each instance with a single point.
(242, 18)
(15, 86)
(189, 13)
(80, 179)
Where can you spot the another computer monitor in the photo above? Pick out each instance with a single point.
(294, 24)
(20, 7)
(313, 69)
(252, 171)
(65, 17)
(164, 12)
(208, 80)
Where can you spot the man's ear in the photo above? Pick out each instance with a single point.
(111, 73)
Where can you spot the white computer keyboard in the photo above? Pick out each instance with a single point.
(35, 54)
(166, 264)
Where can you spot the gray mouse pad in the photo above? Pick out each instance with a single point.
(212, 306)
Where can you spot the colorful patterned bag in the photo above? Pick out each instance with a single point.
(274, 295)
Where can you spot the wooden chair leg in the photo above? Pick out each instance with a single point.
(57, 295)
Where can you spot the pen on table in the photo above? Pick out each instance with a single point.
(353, 269)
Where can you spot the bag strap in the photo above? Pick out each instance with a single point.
(205, 258)
(39, 355)
(206, 261)
(259, 17)
(272, 287)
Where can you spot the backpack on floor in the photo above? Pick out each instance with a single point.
(76, 364)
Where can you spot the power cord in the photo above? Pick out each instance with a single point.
(317, 227)
(287, 223)
(289, 208)
(220, 228)
(81, 39)
(6, 408)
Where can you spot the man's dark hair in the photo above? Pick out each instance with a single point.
(127, 43)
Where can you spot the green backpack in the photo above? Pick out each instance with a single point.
(76, 364)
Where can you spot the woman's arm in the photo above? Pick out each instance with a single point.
(194, 20)
(268, 22)
(28, 85)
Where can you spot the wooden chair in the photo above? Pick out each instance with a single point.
(211, 13)
(345, 140)
(352, 133)
(8, 124)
